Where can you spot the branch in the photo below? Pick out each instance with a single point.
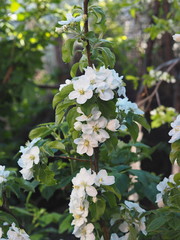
(86, 30)
(172, 63)
(73, 158)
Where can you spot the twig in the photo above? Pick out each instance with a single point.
(172, 63)
(73, 158)
(86, 30)
(8, 74)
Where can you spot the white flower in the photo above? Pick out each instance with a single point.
(29, 158)
(131, 205)
(83, 183)
(3, 174)
(104, 92)
(15, 233)
(175, 132)
(85, 232)
(82, 91)
(96, 129)
(163, 186)
(78, 126)
(70, 19)
(113, 125)
(1, 232)
(90, 74)
(94, 115)
(67, 82)
(124, 227)
(114, 236)
(125, 237)
(123, 104)
(176, 37)
(86, 144)
(27, 173)
(103, 179)
(29, 145)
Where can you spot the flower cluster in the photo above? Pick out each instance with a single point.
(83, 189)
(123, 104)
(175, 132)
(15, 233)
(102, 82)
(29, 157)
(176, 37)
(138, 221)
(163, 187)
(93, 128)
(3, 174)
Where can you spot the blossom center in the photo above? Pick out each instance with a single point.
(95, 128)
(32, 157)
(86, 143)
(81, 91)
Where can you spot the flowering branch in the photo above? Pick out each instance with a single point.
(86, 31)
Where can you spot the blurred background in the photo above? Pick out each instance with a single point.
(31, 69)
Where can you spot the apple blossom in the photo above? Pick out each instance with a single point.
(94, 115)
(123, 104)
(104, 92)
(163, 186)
(1, 232)
(29, 158)
(67, 82)
(175, 132)
(15, 233)
(85, 144)
(28, 145)
(96, 129)
(82, 91)
(27, 173)
(83, 183)
(85, 232)
(3, 174)
(113, 125)
(103, 179)
(70, 19)
(176, 37)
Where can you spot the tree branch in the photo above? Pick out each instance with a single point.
(86, 30)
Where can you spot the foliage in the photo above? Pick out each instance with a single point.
(57, 160)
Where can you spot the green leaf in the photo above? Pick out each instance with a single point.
(67, 50)
(50, 218)
(98, 12)
(114, 190)
(5, 217)
(157, 223)
(43, 174)
(74, 69)
(141, 120)
(71, 117)
(39, 132)
(108, 56)
(111, 199)
(107, 105)
(66, 224)
(57, 145)
(97, 209)
(177, 178)
(62, 94)
(133, 130)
